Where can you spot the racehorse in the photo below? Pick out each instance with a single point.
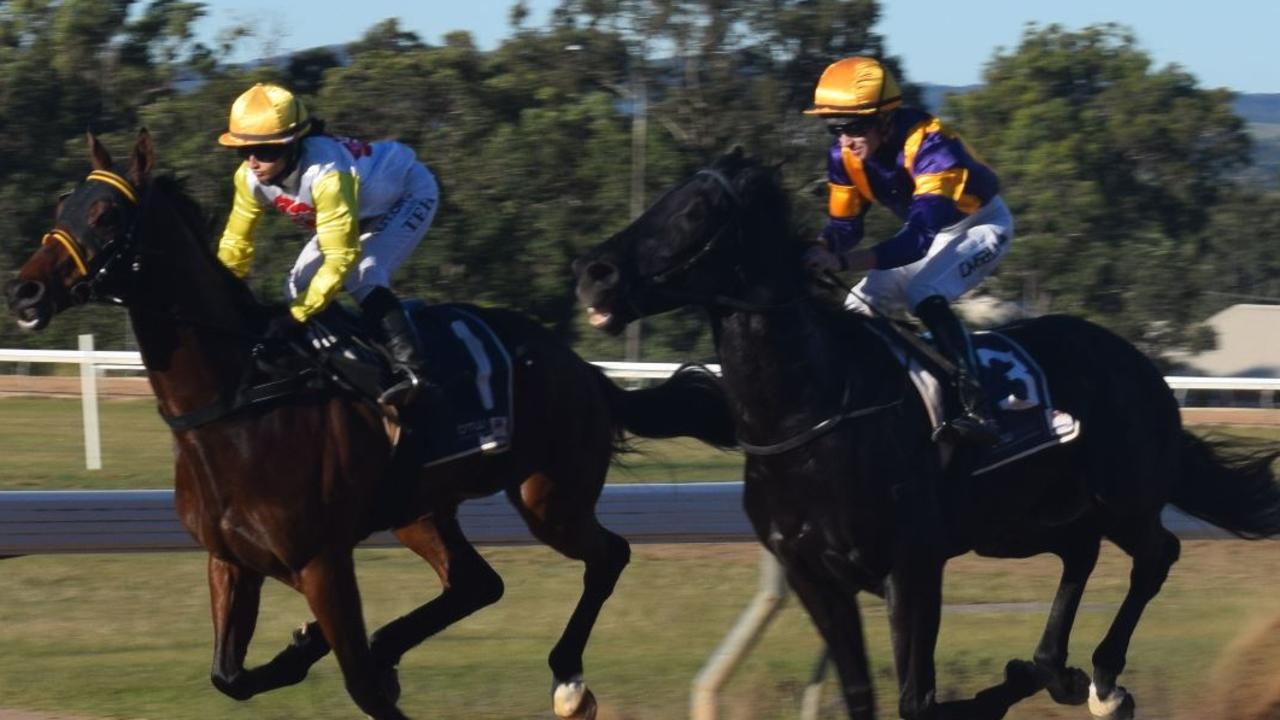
(844, 485)
(287, 488)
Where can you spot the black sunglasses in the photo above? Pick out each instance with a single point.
(264, 153)
(855, 127)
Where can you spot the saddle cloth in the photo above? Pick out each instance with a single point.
(1019, 394)
(474, 412)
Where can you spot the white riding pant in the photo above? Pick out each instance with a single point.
(961, 256)
(384, 247)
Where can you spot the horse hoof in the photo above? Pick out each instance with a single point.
(1119, 704)
(573, 701)
(1023, 677)
(1070, 686)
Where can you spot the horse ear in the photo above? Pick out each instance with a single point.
(98, 154)
(143, 159)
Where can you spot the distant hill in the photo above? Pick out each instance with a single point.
(1255, 108)
(1261, 108)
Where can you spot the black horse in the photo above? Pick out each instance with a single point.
(854, 496)
(287, 488)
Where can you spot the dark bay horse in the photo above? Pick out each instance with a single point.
(288, 488)
(869, 504)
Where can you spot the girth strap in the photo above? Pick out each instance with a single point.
(242, 398)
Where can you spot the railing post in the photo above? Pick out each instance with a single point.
(89, 404)
(742, 636)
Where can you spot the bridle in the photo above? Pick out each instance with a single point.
(818, 429)
(731, 230)
(662, 276)
(96, 257)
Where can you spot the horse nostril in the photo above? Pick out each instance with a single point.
(26, 292)
(603, 273)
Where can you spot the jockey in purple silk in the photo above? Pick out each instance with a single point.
(955, 231)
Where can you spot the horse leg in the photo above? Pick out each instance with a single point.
(567, 522)
(469, 584)
(913, 593)
(839, 621)
(914, 596)
(329, 583)
(1154, 550)
(1067, 686)
(234, 594)
(234, 597)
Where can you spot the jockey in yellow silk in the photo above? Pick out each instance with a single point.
(367, 205)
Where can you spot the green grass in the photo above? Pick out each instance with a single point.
(129, 636)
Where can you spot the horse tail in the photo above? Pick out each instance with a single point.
(690, 403)
(1229, 485)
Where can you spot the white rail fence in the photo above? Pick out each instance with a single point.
(94, 362)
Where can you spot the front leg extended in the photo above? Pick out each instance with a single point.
(234, 595)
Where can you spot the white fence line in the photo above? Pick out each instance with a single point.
(132, 360)
(92, 361)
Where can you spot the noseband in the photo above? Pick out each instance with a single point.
(93, 255)
(663, 276)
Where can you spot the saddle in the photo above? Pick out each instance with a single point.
(467, 409)
(1011, 379)
(467, 405)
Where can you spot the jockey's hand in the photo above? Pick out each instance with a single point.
(818, 260)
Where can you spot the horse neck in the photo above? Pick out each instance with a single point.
(781, 365)
(188, 324)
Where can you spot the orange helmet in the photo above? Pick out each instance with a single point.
(855, 86)
(266, 115)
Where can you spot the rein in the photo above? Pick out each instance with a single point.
(818, 430)
(96, 259)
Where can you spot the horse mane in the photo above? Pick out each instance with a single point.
(198, 224)
(761, 188)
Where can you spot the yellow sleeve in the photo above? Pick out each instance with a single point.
(235, 249)
(336, 196)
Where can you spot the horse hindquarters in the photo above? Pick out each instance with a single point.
(559, 509)
(469, 584)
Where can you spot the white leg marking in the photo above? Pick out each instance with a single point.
(568, 696)
(1105, 708)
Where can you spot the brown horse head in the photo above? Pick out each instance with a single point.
(92, 227)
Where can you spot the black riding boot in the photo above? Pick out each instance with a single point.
(383, 307)
(976, 422)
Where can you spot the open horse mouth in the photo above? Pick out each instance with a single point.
(599, 317)
(597, 290)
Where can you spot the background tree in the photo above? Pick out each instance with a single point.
(1130, 187)
(1112, 170)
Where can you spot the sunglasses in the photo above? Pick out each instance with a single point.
(264, 153)
(856, 127)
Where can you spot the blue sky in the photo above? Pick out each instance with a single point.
(1224, 43)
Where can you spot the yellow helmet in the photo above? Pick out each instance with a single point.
(855, 86)
(266, 115)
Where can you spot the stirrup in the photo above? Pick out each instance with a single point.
(969, 428)
(403, 393)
